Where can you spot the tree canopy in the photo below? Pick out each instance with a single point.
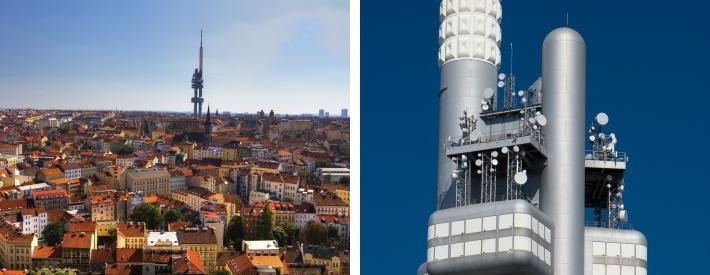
(145, 212)
(314, 233)
(266, 224)
(172, 215)
(53, 233)
(235, 232)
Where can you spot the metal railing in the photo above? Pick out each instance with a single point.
(503, 198)
(523, 131)
(605, 156)
(605, 224)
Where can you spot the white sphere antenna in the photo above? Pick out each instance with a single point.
(488, 93)
(601, 119)
(521, 177)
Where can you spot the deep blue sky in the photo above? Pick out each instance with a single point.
(140, 55)
(647, 63)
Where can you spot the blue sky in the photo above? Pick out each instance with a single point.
(290, 56)
(646, 67)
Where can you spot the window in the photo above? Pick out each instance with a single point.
(613, 249)
(505, 221)
(598, 248)
(457, 228)
(472, 248)
(505, 244)
(442, 230)
(627, 251)
(488, 246)
(489, 223)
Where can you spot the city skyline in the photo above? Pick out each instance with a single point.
(257, 55)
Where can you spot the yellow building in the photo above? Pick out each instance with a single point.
(203, 241)
(15, 247)
(341, 191)
(323, 256)
(130, 235)
(103, 207)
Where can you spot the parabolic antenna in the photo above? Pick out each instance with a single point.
(531, 120)
(478, 162)
(488, 93)
(454, 175)
(592, 138)
(501, 76)
(485, 107)
(464, 158)
(521, 93)
(475, 135)
(601, 119)
(521, 177)
(494, 154)
(494, 162)
(516, 148)
(609, 178)
(501, 84)
(478, 171)
(504, 150)
(541, 120)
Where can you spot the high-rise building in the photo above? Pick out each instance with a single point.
(514, 181)
(321, 113)
(197, 84)
(344, 112)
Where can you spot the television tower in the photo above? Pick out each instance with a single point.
(514, 179)
(197, 82)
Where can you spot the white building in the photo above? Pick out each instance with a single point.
(264, 247)
(304, 213)
(26, 190)
(332, 174)
(256, 196)
(33, 221)
(162, 240)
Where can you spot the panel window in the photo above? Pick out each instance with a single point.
(505, 221)
(457, 228)
(430, 235)
(488, 246)
(613, 249)
(473, 225)
(534, 247)
(441, 252)
(613, 269)
(598, 269)
(456, 250)
(505, 244)
(541, 230)
(627, 250)
(489, 223)
(640, 270)
(523, 243)
(472, 248)
(442, 230)
(641, 252)
(627, 269)
(548, 257)
(541, 252)
(523, 220)
(598, 248)
(548, 234)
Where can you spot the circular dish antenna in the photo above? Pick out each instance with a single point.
(501, 76)
(478, 162)
(621, 188)
(609, 178)
(521, 93)
(494, 154)
(493, 170)
(521, 177)
(478, 171)
(488, 93)
(494, 162)
(504, 150)
(454, 175)
(524, 100)
(464, 158)
(501, 84)
(592, 138)
(454, 159)
(601, 119)
(621, 206)
(516, 148)
(531, 120)
(541, 120)
(485, 107)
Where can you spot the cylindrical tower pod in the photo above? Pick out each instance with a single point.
(469, 56)
(562, 196)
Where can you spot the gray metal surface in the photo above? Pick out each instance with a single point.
(562, 196)
(515, 262)
(462, 85)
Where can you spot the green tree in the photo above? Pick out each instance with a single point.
(237, 201)
(314, 233)
(147, 213)
(235, 232)
(53, 233)
(333, 237)
(125, 150)
(172, 215)
(266, 224)
(280, 236)
(291, 233)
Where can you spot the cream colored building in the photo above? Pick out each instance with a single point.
(150, 181)
(130, 235)
(16, 248)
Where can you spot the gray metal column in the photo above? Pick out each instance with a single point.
(562, 196)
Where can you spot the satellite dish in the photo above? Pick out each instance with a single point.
(464, 165)
(454, 159)
(592, 138)
(623, 216)
(521, 93)
(478, 162)
(474, 136)
(621, 188)
(602, 135)
(524, 100)
(521, 177)
(501, 76)
(531, 120)
(478, 171)
(621, 206)
(609, 178)
(538, 113)
(454, 175)
(488, 93)
(618, 194)
(601, 119)
(494, 162)
(504, 150)
(494, 154)
(516, 148)
(464, 158)
(501, 84)
(612, 135)
(541, 120)
(485, 107)
(492, 170)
